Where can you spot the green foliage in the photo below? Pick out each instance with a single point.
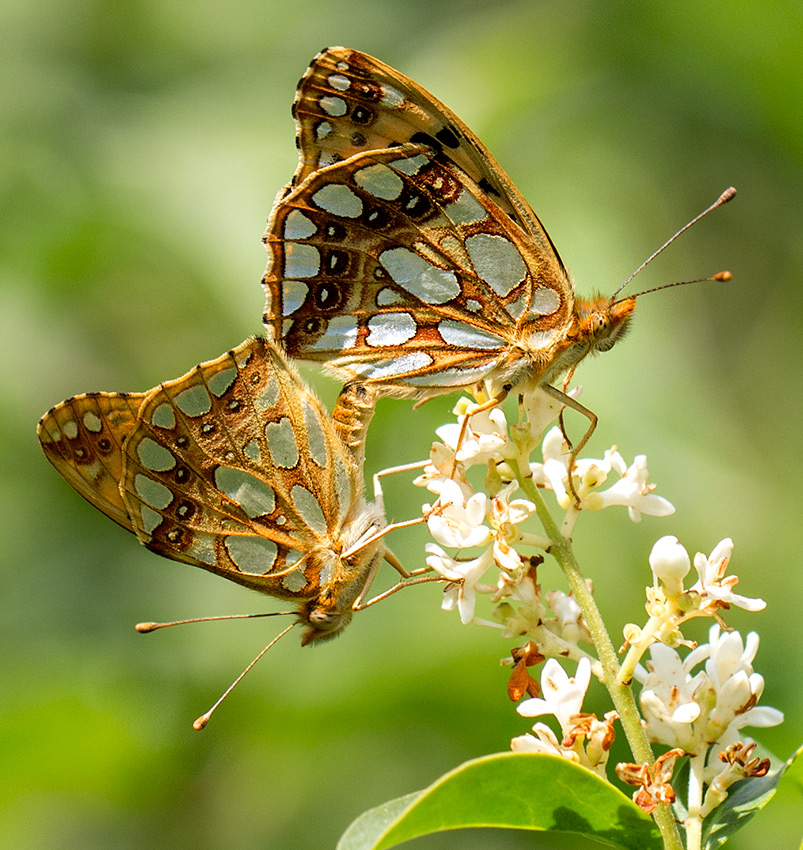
(509, 791)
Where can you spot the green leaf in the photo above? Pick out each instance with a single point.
(747, 797)
(509, 791)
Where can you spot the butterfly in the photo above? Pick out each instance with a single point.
(403, 257)
(235, 468)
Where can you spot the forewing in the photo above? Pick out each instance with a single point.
(396, 268)
(348, 102)
(83, 438)
(235, 468)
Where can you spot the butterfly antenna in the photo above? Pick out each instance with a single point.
(201, 721)
(144, 628)
(719, 276)
(728, 195)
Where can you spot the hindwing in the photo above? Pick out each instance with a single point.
(234, 467)
(402, 255)
(83, 438)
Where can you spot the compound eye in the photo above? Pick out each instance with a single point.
(601, 324)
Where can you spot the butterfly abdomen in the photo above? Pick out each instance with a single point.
(351, 416)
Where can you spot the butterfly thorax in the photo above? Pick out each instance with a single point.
(542, 356)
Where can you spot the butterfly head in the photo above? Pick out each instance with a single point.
(331, 611)
(323, 622)
(600, 323)
(344, 570)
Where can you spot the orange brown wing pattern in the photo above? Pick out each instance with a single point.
(235, 468)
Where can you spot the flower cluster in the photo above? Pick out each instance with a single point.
(487, 490)
(490, 519)
(586, 740)
(670, 604)
(702, 714)
(460, 523)
(705, 710)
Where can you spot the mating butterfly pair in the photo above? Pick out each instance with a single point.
(401, 256)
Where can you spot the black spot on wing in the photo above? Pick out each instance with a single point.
(447, 136)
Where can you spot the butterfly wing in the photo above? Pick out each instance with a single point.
(83, 438)
(235, 468)
(402, 255)
(348, 102)
(396, 268)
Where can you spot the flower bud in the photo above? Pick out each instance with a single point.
(670, 564)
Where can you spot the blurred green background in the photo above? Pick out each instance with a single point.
(143, 144)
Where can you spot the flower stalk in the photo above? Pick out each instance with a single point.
(621, 693)
(686, 713)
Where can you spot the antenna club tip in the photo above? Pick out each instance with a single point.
(723, 276)
(728, 195)
(201, 722)
(144, 628)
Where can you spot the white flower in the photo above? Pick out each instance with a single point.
(483, 438)
(545, 742)
(465, 574)
(568, 623)
(669, 697)
(714, 587)
(562, 696)
(634, 491)
(553, 471)
(506, 513)
(442, 468)
(730, 669)
(739, 763)
(586, 740)
(541, 408)
(524, 589)
(505, 556)
(458, 522)
(505, 516)
(556, 449)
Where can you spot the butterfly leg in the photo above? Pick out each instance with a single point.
(568, 401)
(390, 591)
(396, 564)
(566, 381)
(483, 406)
(388, 556)
(379, 496)
(369, 580)
(407, 577)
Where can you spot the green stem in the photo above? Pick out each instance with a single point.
(621, 694)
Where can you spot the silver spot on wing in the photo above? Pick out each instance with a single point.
(282, 443)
